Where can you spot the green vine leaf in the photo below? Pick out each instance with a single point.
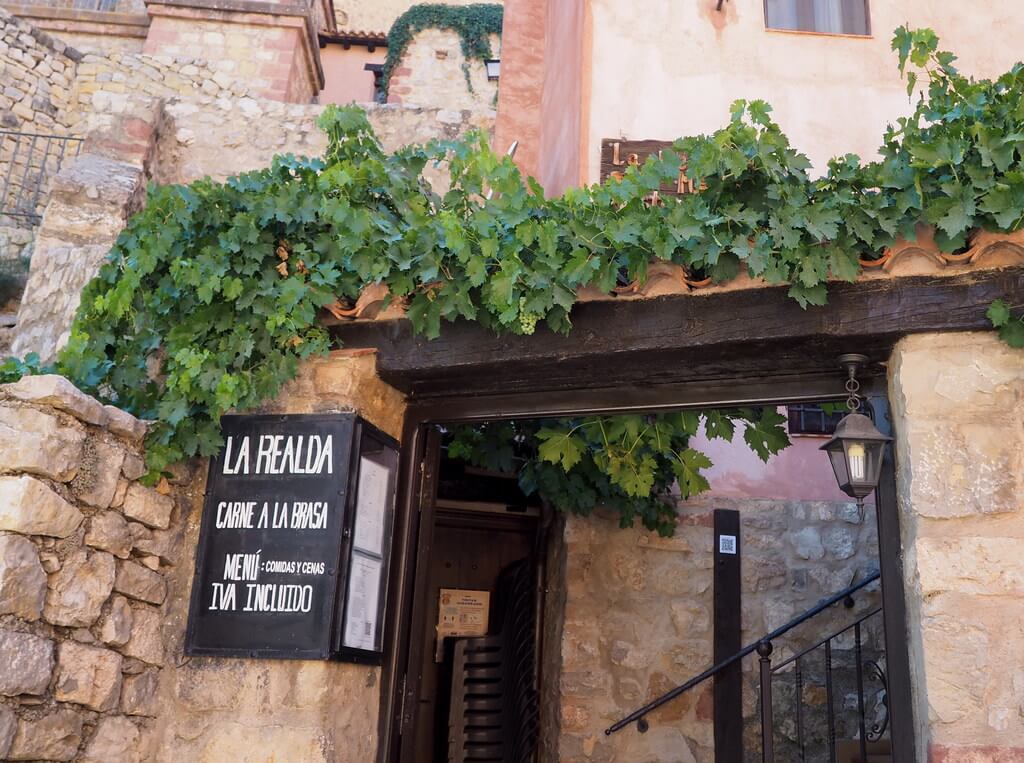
(1011, 329)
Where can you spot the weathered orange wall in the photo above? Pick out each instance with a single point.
(522, 78)
(544, 88)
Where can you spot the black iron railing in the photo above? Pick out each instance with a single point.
(28, 163)
(768, 673)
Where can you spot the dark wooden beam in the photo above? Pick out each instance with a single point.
(697, 337)
(728, 606)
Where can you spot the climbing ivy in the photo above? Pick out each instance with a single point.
(474, 23)
(209, 299)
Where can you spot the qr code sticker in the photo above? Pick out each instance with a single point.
(727, 544)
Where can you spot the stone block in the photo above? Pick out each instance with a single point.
(807, 543)
(839, 542)
(133, 467)
(158, 543)
(140, 583)
(96, 481)
(37, 442)
(985, 566)
(22, 578)
(117, 625)
(123, 424)
(965, 468)
(116, 741)
(8, 725)
(31, 507)
(89, 676)
(139, 694)
(109, 532)
(148, 506)
(27, 663)
(57, 392)
(146, 642)
(56, 736)
(79, 589)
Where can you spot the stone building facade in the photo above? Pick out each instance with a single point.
(96, 572)
(96, 568)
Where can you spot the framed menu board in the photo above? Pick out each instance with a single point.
(294, 543)
(372, 518)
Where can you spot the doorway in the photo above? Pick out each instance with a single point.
(478, 612)
(425, 510)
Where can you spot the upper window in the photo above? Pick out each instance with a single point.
(825, 16)
(808, 418)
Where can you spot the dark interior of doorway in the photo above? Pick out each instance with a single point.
(477, 698)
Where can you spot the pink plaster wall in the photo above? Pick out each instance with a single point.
(665, 68)
(345, 80)
(801, 472)
(561, 100)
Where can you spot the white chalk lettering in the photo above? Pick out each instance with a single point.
(272, 597)
(223, 597)
(239, 464)
(233, 515)
(242, 566)
(309, 516)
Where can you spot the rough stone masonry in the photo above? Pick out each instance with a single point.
(83, 553)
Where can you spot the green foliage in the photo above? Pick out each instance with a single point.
(628, 463)
(12, 369)
(474, 24)
(209, 299)
(1011, 328)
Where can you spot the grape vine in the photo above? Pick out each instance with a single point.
(627, 463)
(210, 298)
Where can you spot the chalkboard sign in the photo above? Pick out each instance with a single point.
(278, 572)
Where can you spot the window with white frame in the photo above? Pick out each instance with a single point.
(824, 16)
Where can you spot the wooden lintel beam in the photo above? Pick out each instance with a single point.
(687, 337)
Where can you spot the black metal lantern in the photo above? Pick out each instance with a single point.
(856, 451)
(857, 447)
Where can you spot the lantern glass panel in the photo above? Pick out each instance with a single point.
(838, 458)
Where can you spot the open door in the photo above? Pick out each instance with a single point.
(471, 664)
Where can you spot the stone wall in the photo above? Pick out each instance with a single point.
(215, 710)
(638, 622)
(958, 402)
(132, 139)
(89, 204)
(434, 72)
(196, 134)
(106, 83)
(95, 578)
(36, 75)
(377, 16)
(83, 559)
(272, 46)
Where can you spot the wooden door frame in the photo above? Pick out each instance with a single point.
(398, 691)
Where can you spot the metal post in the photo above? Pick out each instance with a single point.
(764, 649)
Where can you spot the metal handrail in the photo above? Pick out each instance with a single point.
(638, 715)
(819, 644)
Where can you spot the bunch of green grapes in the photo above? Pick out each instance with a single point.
(527, 319)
